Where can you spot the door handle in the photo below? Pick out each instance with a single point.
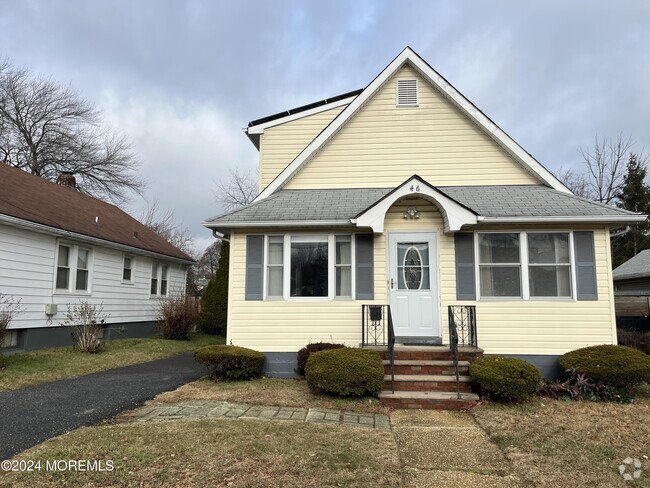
(392, 286)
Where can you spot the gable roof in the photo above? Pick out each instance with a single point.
(491, 204)
(462, 103)
(32, 199)
(635, 267)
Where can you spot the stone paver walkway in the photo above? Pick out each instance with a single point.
(202, 409)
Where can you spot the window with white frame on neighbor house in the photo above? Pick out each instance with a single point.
(506, 259)
(309, 266)
(159, 279)
(73, 268)
(128, 269)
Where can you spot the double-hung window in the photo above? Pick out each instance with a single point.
(159, 279)
(549, 264)
(73, 268)
(500, 265)
(154, 278)
(275, 267)
(525, 265)
(127, 269)
(343, 266)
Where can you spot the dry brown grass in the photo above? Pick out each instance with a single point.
(230, 453)
(559, 443)
(266, 391)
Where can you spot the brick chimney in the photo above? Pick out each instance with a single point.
(66, 178)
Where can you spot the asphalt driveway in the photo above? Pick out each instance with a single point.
(34, 414)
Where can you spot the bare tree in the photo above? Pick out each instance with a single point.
(209, 261)
(240, 189)
(47, 128)
(574, 181)
(165, 224)
(605, 165)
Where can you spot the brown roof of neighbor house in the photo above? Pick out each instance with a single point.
(28, 197)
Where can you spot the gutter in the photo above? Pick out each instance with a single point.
(46, 229)
(568, 220)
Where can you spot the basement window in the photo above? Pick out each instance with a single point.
(407, 92)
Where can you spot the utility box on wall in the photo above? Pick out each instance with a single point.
(51, 309)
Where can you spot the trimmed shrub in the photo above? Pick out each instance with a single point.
(231, 363)
(507, 379)
(345, 372)
(305, 352)
(635, 339)
(618, 366)
(176, 317)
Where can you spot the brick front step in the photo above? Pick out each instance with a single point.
(427, 367)
(428, 353)
(428, 400)
(427, 383)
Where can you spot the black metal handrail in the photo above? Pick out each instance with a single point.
(377, 330)
(462, 331)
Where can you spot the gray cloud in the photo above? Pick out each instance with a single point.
(181, 79)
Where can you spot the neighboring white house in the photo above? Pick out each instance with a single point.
(59, 246)
(406, 196)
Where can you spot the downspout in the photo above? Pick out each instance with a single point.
(219, 235)
(620, 232)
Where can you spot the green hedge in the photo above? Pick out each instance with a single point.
(305, 352)
(345, 372)
(617, 366)
(506, 379)
(231, 363)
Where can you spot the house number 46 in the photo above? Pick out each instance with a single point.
(415, 188)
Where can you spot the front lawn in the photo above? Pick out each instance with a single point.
(267, 391)
(60, 363)
(562, 443)
(219, 453)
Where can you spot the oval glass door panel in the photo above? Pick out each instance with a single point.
(413, 267)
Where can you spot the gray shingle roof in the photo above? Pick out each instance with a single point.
(487, 201)
(636, 267)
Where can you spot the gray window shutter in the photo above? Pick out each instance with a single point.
(365, 270)
(254, 267)
(583, 243)
(465, 273)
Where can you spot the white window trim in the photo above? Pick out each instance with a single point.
(72, 266)
(132, 280)
(286, 272)
(523, 266)
(159, 268)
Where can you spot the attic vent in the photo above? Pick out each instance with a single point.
(407, 93)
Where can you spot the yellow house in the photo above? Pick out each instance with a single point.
(405, 195)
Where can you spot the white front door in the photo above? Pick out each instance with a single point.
(413, 286)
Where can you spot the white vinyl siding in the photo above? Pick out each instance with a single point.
(28, 271)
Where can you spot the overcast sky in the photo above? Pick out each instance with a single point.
(181, 79)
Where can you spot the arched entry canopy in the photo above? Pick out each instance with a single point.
(454, 214)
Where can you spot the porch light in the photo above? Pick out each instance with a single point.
(411, 213)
